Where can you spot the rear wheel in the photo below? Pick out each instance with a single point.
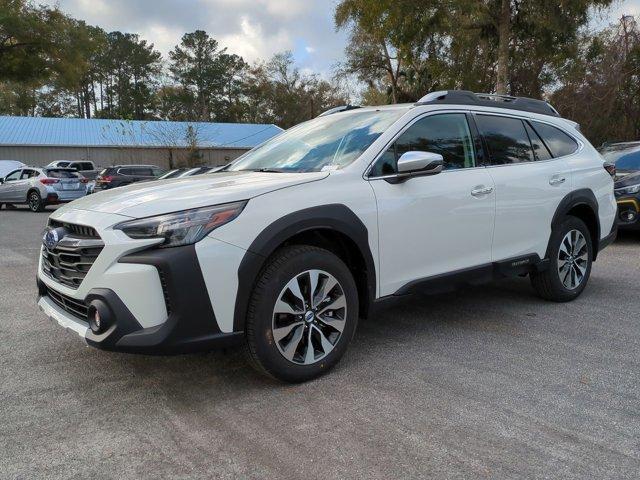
(302, 314)
(35, 201)
(570, 258)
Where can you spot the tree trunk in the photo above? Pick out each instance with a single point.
(504, 34)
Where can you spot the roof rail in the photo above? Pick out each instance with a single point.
(341, 108)
(465, 97)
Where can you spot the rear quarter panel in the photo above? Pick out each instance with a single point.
(588, 173)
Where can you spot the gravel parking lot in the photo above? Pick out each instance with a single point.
(490, 382)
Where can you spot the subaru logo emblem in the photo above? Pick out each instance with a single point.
(52, 236)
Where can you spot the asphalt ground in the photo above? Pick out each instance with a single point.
(489, 382)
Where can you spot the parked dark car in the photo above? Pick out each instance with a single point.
(120, 175)
(626, 157)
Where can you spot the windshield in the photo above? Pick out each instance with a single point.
(170, 174)
(334, 140)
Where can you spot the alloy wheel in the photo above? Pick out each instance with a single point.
(34, 202)
(573, 259)
(309, 317)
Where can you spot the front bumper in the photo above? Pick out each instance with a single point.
(190, 326)
(155, 301)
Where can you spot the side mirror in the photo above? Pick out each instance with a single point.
(414, 164)
(1, 180)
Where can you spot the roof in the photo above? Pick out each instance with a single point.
(79, 132)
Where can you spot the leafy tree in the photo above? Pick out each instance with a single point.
(129, 68)
(409, 48)
(209, 77)
(278, 92)
(601, 87)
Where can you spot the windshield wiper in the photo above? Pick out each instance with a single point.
(264, 170)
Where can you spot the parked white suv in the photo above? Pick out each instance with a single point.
(296, 240)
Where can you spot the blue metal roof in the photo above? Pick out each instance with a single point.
(79, 132)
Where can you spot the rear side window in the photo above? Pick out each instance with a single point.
(86, 166)
(145, 172)
(108, 171)
(126, 171)
(558, 142)
(26, 174)
(447, 134)
(506, 139)
(540, 150)
(61, 174)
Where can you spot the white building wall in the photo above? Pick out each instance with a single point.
(105, 156)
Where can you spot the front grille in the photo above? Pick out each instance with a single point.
(75, 307)
(80, 231)
(69, 261)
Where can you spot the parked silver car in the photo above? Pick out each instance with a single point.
(39, 187)
(86, 168)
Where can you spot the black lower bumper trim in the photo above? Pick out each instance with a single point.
(191, 325)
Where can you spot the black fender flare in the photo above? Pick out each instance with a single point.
(336, 217)
(583, 196)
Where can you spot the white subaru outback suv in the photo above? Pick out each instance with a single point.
(286, 248)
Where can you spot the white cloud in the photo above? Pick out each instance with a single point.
(255, 29)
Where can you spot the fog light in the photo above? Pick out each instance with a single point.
(628, 216)
(98, 316)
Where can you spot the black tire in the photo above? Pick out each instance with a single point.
(548, 284)
(34, 201)
(281, 268)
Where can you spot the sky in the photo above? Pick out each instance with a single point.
(254, 29)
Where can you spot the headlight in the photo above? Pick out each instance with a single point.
(628, 190)
(182, 228)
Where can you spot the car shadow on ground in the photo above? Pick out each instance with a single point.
(415, 322)
(419, 323)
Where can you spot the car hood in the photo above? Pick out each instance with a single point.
(164, 196)
(627, 178)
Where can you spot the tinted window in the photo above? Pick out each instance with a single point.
(558, 142)
(86, 166)
(446, 134)
(145, 172)
(506, 139)
(540, 150)
(28, 174)
(13, 175)
(61, 174)
(126, 171)
(108, 171)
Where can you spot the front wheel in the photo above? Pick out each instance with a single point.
(302, 314)
(570, 258)
(35, 202)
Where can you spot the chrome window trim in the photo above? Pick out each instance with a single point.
(474, 112)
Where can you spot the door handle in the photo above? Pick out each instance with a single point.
(481, 190)
(557, 180)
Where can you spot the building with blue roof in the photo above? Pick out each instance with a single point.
(39, 141)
